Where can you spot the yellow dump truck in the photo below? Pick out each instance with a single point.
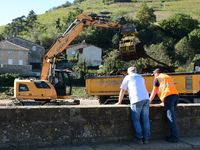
(107, 87)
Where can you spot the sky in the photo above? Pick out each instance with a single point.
(11, 9)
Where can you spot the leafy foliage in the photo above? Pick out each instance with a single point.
(111, 62)
(146, 15)
(20, 24)
(8, 79)
(178, 25)
(82, 69)
(115, 1)
(184, 52)
(193, 39)
(159, 51)
(66, 4)
(74, 59)
(151, 35)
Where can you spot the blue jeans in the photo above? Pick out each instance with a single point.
(170, 104)
(140, 118)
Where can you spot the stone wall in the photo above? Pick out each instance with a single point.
(26, 126)
(15, 56)
(21, 69)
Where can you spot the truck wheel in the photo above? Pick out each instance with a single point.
(103, 99)
(184, 100)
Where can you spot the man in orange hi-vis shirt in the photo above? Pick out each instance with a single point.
(166, 90)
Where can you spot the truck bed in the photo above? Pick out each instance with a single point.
(188, 85)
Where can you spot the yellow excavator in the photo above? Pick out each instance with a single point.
(55, 83)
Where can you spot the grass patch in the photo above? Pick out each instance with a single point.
(79, 92)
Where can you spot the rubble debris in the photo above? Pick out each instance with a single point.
(147, 70)
(114, 73)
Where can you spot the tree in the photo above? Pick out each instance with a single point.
(1, 37)
(31, 19)
(67, 4)
(159, 52)
(178, 25)
(78, 1)
(14, 28)
(115, 40)
(146, 15)
(193, 39)
(115, 1)
(184, 52)
(18, 25)
(64, 22)
(58, 24)
(151, 35)
(102, 37)
(111, 62)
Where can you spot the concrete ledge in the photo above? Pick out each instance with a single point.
(26, 126)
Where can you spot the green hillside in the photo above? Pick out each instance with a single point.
(162, 9)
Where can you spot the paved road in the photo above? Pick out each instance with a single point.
(186, 143)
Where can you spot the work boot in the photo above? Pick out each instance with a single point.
(145, 141)
(171, 140)
(137, 140)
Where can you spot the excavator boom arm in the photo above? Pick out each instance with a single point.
(82, 21)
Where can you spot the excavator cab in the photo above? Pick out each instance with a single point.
(130, 48)
(62, 83)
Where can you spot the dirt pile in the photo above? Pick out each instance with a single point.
(148, 70)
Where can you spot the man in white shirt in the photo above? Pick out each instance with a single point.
(139, 100)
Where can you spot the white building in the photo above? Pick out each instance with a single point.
(89, 53)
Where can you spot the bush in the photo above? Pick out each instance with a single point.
(111, 62)
(8, 79)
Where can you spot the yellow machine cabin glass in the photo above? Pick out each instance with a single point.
(41, 84)
(63, 85)
(23, 88)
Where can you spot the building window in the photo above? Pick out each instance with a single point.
(20, 62)
(10, 61)
(33, 48)
(21, 53)
(10, 52)
(73, 52)
(80, 50)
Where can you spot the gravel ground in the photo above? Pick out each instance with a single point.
(90, 101)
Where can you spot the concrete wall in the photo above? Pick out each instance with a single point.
(25, 126)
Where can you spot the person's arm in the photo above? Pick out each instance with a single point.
(121, 96)
(153, 93)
